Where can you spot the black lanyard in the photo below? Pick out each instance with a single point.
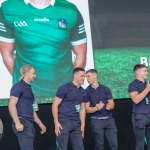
(75, 93)
(95, 95)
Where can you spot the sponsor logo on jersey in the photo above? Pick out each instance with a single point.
(20, 24)
(41, 19)
(62, 23)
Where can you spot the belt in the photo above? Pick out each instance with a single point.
(101, 118)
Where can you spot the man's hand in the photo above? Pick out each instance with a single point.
(82, 130)
(58, 127)
(19, 127)
(43, 128)
(108, 106)
(148, 85)
(100, 105)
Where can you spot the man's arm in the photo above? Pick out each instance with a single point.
(90, 109)
(14, 114)
(39, 122)
(138, 97)
(110, 105)
(80, 51)
(55, 105)
(93, 109)
(82, 118)
(7, 52)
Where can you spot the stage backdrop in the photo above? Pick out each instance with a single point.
(120, 39)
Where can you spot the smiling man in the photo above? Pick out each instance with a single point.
(22, 111)
(43, 33)
(139, 91)
(69, 112)
(100, 103)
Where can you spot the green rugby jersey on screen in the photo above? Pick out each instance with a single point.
(43, 38)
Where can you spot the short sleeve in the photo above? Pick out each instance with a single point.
(61, 92)
(6, 33)
(78, 33)
(16, 91)
(109, 93)
(132, 88)
(87, 96)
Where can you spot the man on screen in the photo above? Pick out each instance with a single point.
(43, 34)
(139, 91)
(100, 103)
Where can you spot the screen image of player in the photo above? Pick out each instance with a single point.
(48, 40)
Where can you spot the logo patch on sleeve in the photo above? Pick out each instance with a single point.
(62, 23)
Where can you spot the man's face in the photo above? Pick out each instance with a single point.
(91, 77)
(142, 73)
(31, 75)
(80, 77)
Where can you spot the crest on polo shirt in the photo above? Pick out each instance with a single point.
(62, 23)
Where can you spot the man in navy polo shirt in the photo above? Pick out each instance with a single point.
(139, 91)
(99, 103)
(22, 111)
(69, 112)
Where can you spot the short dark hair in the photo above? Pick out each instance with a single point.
(138, 66)
(75, 70)
(91, 71)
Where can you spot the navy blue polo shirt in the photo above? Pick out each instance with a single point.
(23, 92)
(94, 96)
(71, 96)
(139, 86)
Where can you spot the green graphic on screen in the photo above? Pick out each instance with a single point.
(45, 39)
(115, 67)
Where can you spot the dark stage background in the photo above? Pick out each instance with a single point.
(122, 114)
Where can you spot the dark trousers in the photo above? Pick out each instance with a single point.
(141, 126)
(107, 127)
(25, 137)
(70, 129)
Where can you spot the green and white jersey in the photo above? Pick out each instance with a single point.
(43, 38)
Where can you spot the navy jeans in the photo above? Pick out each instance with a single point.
(70, 129)
(141, 126)
(107, 127)
(25, 137)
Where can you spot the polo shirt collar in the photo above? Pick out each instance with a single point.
(71, 83)
(97, 87)
(52, 2)
(25, 83)
(139, 81)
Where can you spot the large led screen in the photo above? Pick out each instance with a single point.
(48, 39)
(118, 37)
(121, 38)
